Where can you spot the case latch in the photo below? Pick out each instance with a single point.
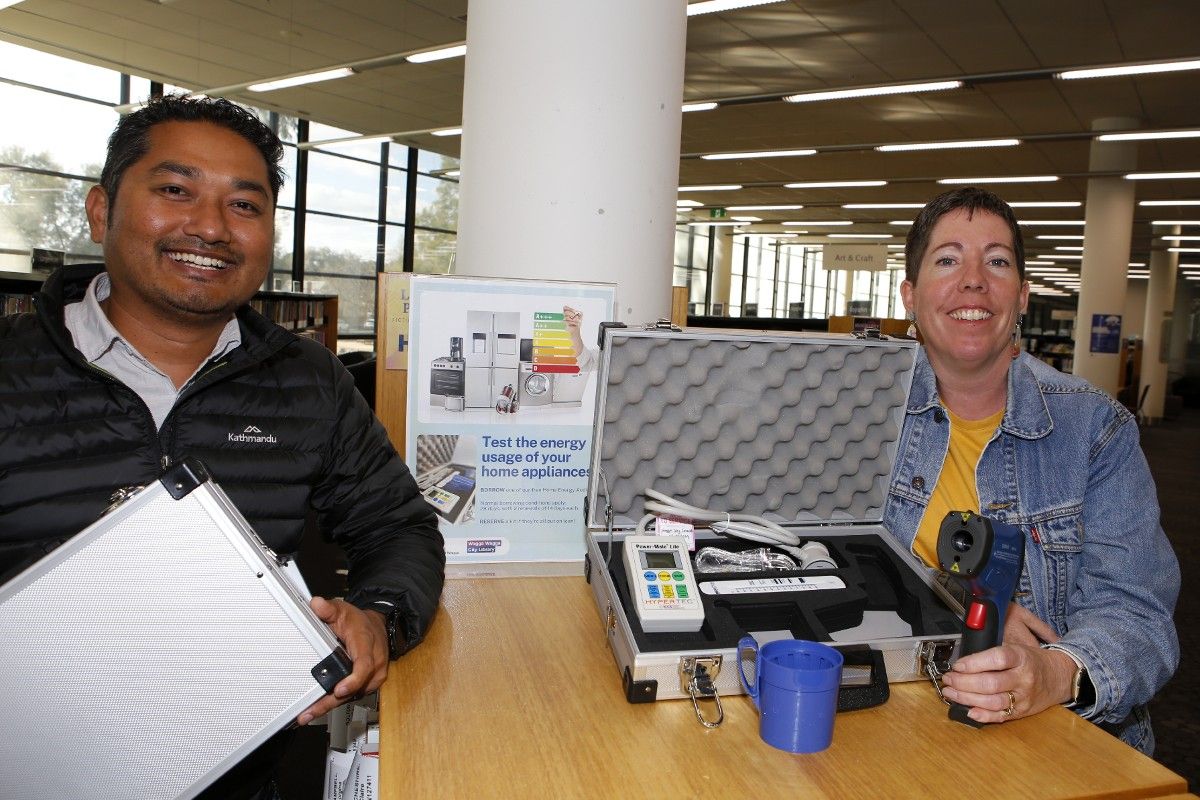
(933, 659)
(697, 676)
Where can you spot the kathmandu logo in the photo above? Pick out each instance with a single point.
(253, 435)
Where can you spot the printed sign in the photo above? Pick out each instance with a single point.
(394, 286)
(871, 257)
(502, 393)
(1106, 333)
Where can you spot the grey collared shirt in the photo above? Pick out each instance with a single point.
(107, 349)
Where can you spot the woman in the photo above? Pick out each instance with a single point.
(993, 430)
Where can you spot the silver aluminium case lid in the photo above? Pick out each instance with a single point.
(799, 429)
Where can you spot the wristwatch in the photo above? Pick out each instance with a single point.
(1083, 691)
(396, 639)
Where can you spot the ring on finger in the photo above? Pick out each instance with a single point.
(1012, 702)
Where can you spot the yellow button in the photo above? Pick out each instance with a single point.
(664, 576)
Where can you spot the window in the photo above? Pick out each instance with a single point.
(53, 165)
(339, 258)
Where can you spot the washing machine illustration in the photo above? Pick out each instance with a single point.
(537, 388)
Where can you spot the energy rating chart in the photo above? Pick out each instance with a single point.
(552, 349)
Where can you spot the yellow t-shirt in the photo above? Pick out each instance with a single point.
(955, 489)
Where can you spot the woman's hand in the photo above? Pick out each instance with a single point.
(1016, 679)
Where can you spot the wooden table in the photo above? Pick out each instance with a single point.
(515, 694)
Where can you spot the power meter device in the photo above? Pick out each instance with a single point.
(662, 585)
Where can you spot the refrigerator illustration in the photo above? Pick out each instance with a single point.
(492, 356)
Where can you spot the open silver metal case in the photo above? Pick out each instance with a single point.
(153, 650)
(801, 430)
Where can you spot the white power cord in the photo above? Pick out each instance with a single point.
(743, 526)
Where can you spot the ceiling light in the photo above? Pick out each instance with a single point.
(859, 236)
(872, 91)
(898, 148)
(698, 107)
(1160, 176)
(1004, 179)
(1045, 270)
(1180, 238)
(1045, 204)
(1143, 135)
(896, 246)
(833, 184)
(1064, 256)
(1169, 203)
(883, 205)
(1171, 249)
(714, 6)
(381, 137)
(900, 222)
(1176, 222)
(706, 223)
(712, 187)
(1137, 263)
(447, 132)
(747, 219)
(1063, 237)
(1066, 249)
(685, 203)
(1039, 263)
(821, 222)
(763, 208)
(758, 154)
(1049, 222)
(1129, 69)
(438, 54)
(300, 80)
(767, 235)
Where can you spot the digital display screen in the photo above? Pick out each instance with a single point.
(660, 560)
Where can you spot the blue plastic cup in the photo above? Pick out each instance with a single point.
(795, 690)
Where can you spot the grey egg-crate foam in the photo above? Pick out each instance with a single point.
(797, 431)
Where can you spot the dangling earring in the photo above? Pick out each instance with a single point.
(912, 325)
(1015, 347)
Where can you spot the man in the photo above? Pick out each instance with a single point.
(154, 355)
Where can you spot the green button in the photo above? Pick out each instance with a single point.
(681, 590)
(677, 575)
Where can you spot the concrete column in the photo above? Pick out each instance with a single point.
(570, 149)
(1160, 298)
(722, 267)
(1108, 228)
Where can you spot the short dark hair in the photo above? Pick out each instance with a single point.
(130, 140)
(971, 199)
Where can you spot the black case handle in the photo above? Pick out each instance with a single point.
(875, 693)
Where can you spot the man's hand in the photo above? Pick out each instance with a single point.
(1016, 679)
(363, 635)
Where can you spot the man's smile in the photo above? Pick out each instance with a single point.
(195, 260)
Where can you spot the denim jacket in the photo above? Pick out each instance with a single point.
(1065, 465)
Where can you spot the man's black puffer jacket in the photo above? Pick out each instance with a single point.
(277, 421)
